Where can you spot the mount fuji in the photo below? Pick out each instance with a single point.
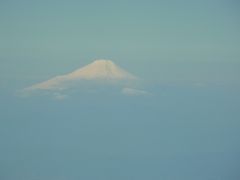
(100, 73)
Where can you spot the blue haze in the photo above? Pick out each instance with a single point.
(51, 37)
(185, 133)
(188, 53)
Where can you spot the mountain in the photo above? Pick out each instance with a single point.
(99, 71)
(101, 76)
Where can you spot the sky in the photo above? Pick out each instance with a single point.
(41, 39)
(187, 53)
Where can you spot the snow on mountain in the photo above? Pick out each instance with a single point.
(99, 70)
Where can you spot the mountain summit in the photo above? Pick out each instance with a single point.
(99, 70)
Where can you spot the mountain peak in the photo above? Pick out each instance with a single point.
(100, 69)
(102, 61)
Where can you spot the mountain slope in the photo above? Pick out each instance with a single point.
(99, 70)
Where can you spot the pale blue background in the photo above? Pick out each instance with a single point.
(181, 40)
(187, 52)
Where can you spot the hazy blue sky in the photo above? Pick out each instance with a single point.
(188, 51)
(40, 39)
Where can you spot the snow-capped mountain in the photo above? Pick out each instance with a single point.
(101, 76)
(99, 70)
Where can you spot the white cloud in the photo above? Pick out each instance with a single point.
(60, 96)
(135, 92)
